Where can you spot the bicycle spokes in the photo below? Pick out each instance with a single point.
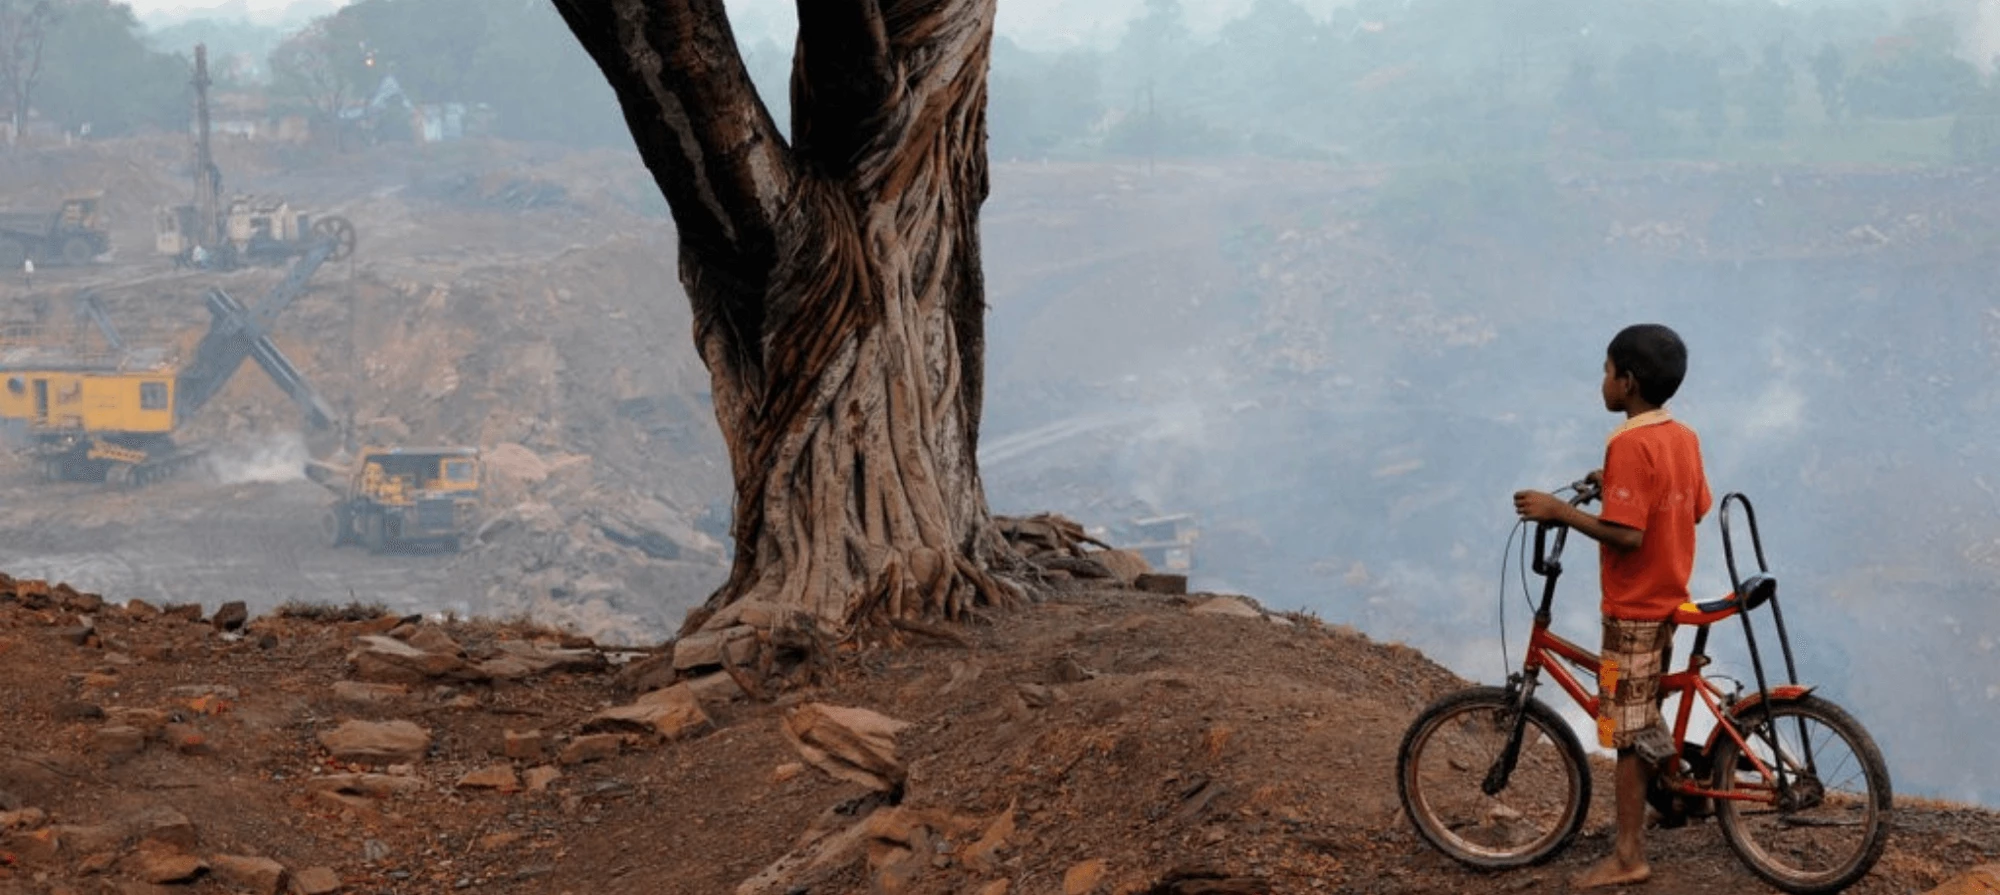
(1491, 785)
(1811, 796)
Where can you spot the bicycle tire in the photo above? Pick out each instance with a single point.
(1874, 807)
(1443, 833)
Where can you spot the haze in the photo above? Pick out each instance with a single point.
(1335, 278)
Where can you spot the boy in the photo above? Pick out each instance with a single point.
(1653, 494)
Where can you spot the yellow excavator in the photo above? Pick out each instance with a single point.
(109, 415)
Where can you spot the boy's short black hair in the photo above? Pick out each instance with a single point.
(1654, 355)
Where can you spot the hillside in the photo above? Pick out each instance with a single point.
(1157, 738)
(1340, 371)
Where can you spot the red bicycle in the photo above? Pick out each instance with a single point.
(1494, 778)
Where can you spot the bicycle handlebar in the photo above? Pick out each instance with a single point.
(1582, 491)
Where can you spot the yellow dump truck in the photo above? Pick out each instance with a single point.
(73, 234)
(401, 498)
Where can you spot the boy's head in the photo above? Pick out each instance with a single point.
(1644, 366)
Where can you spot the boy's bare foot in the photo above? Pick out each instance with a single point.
(1611, 872)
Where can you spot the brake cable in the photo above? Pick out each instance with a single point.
(1507, 552)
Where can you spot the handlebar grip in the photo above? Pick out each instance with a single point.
(1586, 491)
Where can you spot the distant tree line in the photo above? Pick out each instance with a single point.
(1394, 80)
(1376, 80)
(82, 66)
(512, 56)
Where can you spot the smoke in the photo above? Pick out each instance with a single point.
(280, 457)
(1980, 39)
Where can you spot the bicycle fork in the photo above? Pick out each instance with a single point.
(1520, 693)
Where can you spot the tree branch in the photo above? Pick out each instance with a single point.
(697, 119)
(845, 85)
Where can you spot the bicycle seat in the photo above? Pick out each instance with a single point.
(1757, 590)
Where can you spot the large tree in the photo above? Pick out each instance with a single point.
(836, 287)
(24, 29)
(317, 67)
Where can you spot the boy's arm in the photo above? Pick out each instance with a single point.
(1538, 506)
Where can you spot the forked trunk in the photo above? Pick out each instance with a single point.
(837, 293)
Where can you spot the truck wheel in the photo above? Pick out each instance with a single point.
(371, 533)
(77, 252)
(335, 524)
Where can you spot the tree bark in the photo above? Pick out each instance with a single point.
(837, 293)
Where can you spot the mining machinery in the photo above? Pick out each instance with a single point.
(111, 416)
(209, 233)
(398, 498)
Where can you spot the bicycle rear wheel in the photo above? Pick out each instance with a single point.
(1445, 758)
(1832, 829)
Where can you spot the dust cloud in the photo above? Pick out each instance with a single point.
(275, 458)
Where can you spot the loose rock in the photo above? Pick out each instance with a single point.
(316, 881)
(594, 747)
(1229, 606)
(156, 865)
(231, 616)
(499, 776)
(852, 744)
(525, 745)
(262, 876)
(382, 659)
(367, 693)
(672, 714)
(538, 778)
(377, 743)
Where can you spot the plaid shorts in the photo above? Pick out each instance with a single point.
(1635, 654)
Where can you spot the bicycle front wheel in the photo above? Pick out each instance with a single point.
(1828, 827)
(1446, 757)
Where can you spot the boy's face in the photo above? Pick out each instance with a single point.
(1618, 388)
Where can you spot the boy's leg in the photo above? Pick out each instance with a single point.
(1627, 863)
(1628, 720)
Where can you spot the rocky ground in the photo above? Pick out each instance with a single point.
(1101, 740)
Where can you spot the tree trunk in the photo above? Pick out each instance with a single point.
(837, 294)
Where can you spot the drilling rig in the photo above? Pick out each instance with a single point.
(209, 233)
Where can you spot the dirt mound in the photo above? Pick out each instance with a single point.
(1101, 741)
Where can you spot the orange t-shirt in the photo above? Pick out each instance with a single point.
(1652, 482)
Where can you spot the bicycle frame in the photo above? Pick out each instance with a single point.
(1550, 652)
(1545, 648)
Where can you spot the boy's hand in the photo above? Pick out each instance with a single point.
(1539, 506)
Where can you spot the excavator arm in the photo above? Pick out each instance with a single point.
(237, 332)
(91, 307)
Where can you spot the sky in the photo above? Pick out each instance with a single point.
(1042, 24)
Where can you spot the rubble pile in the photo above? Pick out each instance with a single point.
(616, 566)
(1058, 548)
